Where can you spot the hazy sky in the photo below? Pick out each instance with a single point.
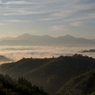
(48, 17)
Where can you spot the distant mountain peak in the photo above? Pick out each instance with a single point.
(46, 40)
(47, 36)
(25, 34)
(69, 36)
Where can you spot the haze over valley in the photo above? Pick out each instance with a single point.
(18, 52)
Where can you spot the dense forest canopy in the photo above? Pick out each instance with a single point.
(9, 86)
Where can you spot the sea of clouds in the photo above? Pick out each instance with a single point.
(18, 52)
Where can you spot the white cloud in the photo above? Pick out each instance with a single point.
(17, 2)
(59, 28)
(50, 19)
(66, 13)
(57, 8)
(76, 24)
(1, 24)
(18, 20)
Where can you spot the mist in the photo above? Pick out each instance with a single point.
(19, 52)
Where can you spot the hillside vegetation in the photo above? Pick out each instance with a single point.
(83, 84)
(8, 86)
(50, 73)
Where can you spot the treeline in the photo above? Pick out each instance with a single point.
(8, 86)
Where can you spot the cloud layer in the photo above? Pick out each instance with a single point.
(17, 53)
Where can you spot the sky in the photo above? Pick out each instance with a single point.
(47, 17)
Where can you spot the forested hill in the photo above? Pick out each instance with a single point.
(8, 86)
(51, 73)
(83, 84)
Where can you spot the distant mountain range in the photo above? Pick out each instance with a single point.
(34, 40)
(58, 76)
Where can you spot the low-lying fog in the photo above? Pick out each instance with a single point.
(18, 52)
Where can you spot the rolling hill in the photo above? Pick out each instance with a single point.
(83, 84)
(51, 73)
(4, 59)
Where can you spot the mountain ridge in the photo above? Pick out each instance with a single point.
(51, 73)
(46, 40)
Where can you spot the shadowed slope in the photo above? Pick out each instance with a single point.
(51, 73)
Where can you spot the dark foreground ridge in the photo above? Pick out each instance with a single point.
(8, 86)
(54, 74)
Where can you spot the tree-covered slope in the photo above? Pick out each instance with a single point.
(83, 84)
(8, 86)
(51, 73)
